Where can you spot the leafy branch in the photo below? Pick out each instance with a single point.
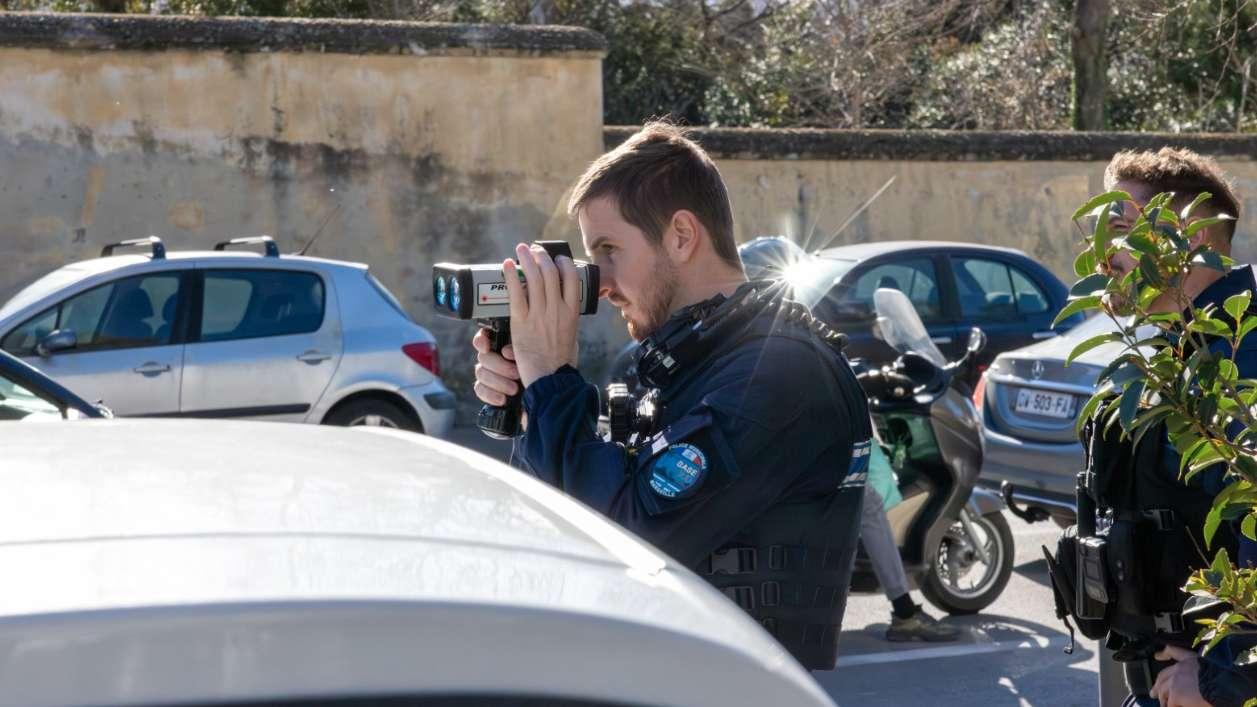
(1177, 368)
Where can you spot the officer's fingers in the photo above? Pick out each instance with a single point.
(535, 287)
(495, 382)
(508, 352)
(497, 364)
(549, 275)
(514, 290)
(1161, 687)
(492, 397)
(571, 282)
(480, 342)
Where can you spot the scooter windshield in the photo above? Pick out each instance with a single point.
(901, 327)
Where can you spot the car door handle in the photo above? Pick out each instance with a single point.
(1043, 334)
(941, 339)
(152, 368)
(313, 357)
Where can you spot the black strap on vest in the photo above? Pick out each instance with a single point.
(794, 592)
(693, 334)
(795, 582)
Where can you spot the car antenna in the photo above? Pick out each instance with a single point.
(859, 210)
(319, 232)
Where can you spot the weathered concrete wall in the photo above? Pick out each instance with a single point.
(423, 142)
(1024, 205)
(426, 143)
(1008, 189)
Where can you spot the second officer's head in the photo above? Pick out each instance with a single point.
(1144, 174)
(655, 218)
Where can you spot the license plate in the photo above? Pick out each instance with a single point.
(1038, 402)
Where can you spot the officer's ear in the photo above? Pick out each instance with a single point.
(1213, 236)
(681, 238)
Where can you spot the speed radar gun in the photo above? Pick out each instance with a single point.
(478, 293)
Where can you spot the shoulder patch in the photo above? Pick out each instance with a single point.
(858, 470)
(679, 471)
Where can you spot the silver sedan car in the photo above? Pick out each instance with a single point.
(1030, 401)
(229, 334)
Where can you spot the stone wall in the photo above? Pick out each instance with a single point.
(1008, 189)
(414, 143)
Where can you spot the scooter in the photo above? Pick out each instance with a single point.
(956, 545)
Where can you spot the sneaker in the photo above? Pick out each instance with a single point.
(921, 627)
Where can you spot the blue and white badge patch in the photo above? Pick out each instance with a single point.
(858, 471)
(679, 471)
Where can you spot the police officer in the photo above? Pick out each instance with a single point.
(773, 258)
(1192, 681)
(753, 473)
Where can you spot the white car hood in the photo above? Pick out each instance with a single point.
(130, 521)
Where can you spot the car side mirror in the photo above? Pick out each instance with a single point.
(977, 341)
(59, 340)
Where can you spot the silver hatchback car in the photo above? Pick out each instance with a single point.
(231, 334)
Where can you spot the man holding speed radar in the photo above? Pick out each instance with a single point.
(746, 459)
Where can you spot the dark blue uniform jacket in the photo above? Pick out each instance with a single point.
(769, 417)
(1222, 682)
(1240, 279)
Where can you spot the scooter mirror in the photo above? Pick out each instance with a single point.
(977, 340)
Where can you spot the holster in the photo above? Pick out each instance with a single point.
(1069, 589)
(1095, 589)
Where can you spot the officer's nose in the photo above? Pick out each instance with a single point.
(606, 283)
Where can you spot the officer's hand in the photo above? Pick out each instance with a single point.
(496, 374)
(1179, 684)
(545, 314)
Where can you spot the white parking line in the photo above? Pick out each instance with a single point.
(1035, 642)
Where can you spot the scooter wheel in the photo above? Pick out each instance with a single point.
(959, 582)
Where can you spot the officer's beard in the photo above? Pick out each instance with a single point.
(656, 300)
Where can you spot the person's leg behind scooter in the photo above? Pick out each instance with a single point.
(908, 621)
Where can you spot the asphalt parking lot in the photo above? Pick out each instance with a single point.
(1011, 654)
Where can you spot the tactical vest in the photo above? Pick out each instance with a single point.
(1122, 578)
(791, 570)
(795, 576)
(791, 567)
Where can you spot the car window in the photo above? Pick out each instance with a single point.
(16, 402)
(1030, 298)
(21, 341)
(81, 314)
(915, 277)
(985, 288)
(247, 304)
(226, 300)
(135, 311)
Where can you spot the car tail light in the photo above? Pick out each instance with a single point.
(979, 390)
(425, 355)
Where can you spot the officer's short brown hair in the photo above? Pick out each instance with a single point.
(656, 173)
(1178, 170)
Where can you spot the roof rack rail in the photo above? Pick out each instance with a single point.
(152, 242)
(272, 250)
